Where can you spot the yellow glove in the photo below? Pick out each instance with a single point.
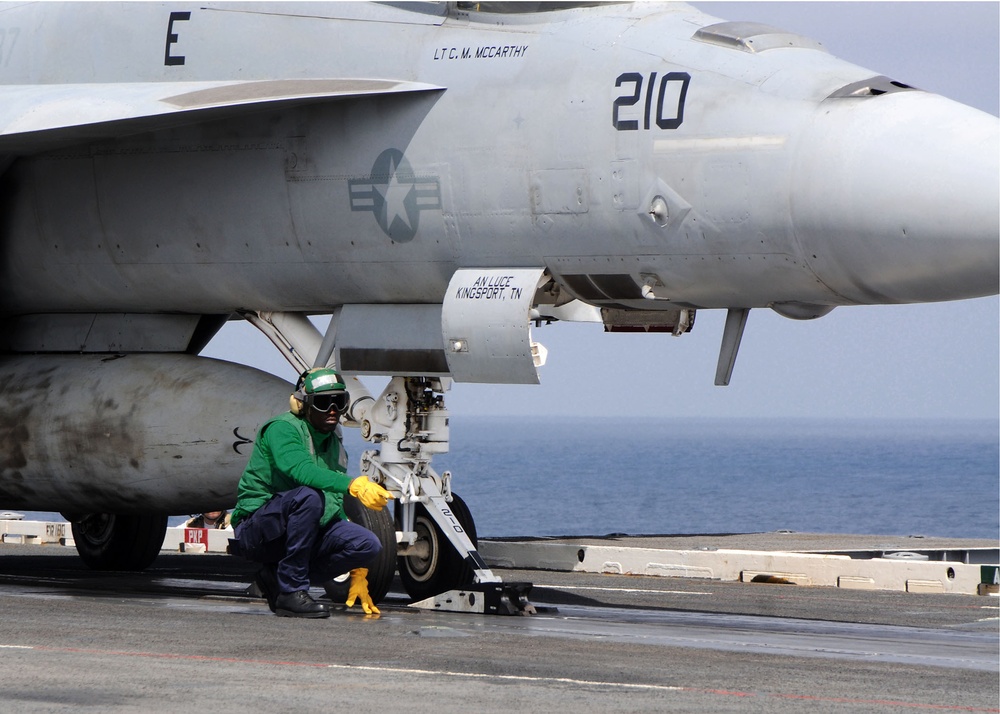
(370, 494)
(359, 589)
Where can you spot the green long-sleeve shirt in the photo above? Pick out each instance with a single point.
(289, 453)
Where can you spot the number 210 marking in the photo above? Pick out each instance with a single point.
(675, 82)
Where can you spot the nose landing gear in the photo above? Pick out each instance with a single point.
(438, 561)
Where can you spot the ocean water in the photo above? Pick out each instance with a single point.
(579, 476)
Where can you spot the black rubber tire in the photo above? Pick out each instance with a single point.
(443, 569)
(383, 568)
(109, 541)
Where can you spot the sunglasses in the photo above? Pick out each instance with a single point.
(327, 402)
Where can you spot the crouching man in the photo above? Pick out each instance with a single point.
(290, 513)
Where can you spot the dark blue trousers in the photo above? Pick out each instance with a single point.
(286, 531)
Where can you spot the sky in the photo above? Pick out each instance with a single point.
(934, 361)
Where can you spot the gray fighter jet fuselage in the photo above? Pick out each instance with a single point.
(437, 176)
(366, 152)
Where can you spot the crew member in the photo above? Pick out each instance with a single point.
(289, 515)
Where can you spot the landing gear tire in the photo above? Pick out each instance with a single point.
(108, 541)
(438, 566)
(383, 568)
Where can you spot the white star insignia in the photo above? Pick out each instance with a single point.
(395, 194)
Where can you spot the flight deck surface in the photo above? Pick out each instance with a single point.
(184, 631)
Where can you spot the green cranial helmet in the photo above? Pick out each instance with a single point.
(318, 380)
(321, 389)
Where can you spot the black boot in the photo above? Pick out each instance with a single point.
(299, 604)
(267, 582)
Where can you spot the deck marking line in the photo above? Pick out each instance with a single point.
(884, 702)
(509, 677)
(620, 590)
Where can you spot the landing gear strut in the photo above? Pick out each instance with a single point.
(436, 534)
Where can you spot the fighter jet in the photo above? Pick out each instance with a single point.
(440, 179)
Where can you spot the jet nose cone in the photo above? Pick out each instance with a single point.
(897, 198)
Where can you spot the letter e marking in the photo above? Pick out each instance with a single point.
(169, 59)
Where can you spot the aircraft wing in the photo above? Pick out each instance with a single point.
(41, 117)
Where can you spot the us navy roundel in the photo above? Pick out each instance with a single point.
(395, 195)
